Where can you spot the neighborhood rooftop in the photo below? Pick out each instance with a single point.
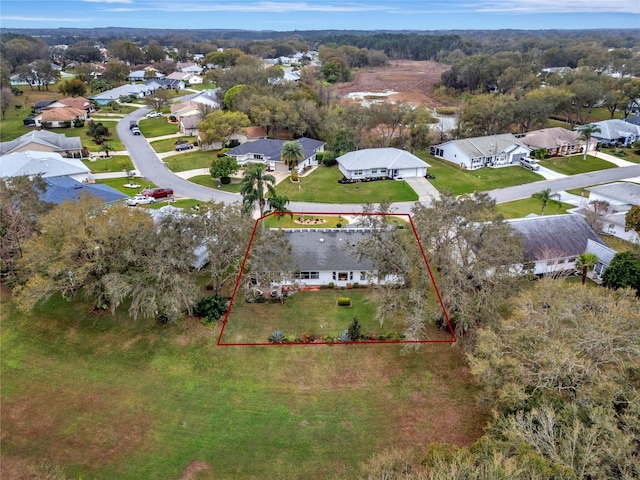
(326, 250)
(55, 141)
(49, 164)
(554, 236)
(389, 158)
(487, 146)
(625, 192)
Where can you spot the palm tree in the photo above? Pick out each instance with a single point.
(586, 261)
(106, 148)
(256, 185)
(291, 154)
(546, 196)
(585, 134)
(278, 205)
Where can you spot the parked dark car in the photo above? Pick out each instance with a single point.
(158, 192)
(183, 146)
(133, 124)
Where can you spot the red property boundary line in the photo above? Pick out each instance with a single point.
(370, 342)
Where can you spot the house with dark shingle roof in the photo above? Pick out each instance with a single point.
(44, 141)
(269, 150)
(477, 152)
(66, 189)
(552, 243)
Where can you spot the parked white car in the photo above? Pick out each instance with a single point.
(140, 200)
(530, 163)
(154, 114)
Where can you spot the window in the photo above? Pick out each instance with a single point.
(334, 275)
(358, 172)
(383, 171)
(307, 275)
(257, 156)
(350, 276)
(342, 276)
(363, 276)
(374, 170)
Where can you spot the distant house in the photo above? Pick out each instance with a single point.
(620, 196)
(144, 75)
(266, 150)
(552, 243)
(168, 83)
(207, 97)
(71, 102)
(115, 94)
(40, 105)
(44, 141)
(189, 67)
(46, 164)
(321, 257)
(65, 189)
(250, 134)
(381, 163)
(557, 141)
(616, 132)
(62, 117)
(490, 151)
(186, 77)
(634, 120)
(189, 125)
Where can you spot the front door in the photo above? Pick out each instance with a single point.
(394, 173)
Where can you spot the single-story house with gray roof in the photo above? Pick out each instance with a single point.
(46, 164)
(269, 150)
(44, 141)
(477, 152)
(64, 189)
(324, 256)
(615, 132)
(381, 163)
(552, 243)
(620, 196)
(115, 94)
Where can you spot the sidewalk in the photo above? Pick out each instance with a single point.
(610, 158)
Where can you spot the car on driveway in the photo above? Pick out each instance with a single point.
(158, 192)
(154, 114)
(183, 146)
(530, 163)
(140, 200)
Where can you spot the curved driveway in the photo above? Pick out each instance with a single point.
(151, 167)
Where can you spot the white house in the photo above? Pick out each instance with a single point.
(552, 243)
(46, 164)
(269, 150)
(381, 163)
(620, 196)
(44, 141)
(616, 132)
(324, 256)
(490, 151)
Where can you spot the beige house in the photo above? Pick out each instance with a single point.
(44, 141)
(557, 141)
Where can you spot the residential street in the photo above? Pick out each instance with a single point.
(147, 162)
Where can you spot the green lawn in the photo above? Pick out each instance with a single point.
(104, 397)
(113, 141)
(452, 178)
(522, 208)
(207, 181)
(321, 186)
(115, 163)
(12, 127)
(312, 313)
(190, 160)
(628, 154)
(618, 244)
(575, 164)
(118, 184)
(169, 144)
(157, 127)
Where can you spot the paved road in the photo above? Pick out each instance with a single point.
(150, 166)
(574, 181)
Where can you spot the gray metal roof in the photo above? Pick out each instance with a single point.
(554, 236)
(48, 164)
(57, 142)
(330, 250)
(488, 146)
(390, 158)
(626, 192)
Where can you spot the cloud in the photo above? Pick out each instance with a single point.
(256, 7)
(554, 6)
(108, 1)
(16, 18)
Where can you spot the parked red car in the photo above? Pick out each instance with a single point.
(158, 192)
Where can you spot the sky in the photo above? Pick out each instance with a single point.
(323, 14)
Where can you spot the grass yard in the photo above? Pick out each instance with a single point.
(157, 127)
(618, 244)
(522, 208)
(113, 141)
(207, 181)
(321, 186)
(190, 160)
(452, 178)
(169, 144)
(287, 221)
(104, 397)
(628, 154)
(575, 164)
(115, 163)
(118, 184)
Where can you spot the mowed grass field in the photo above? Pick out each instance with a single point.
(104, 397)
(321, 186)
(458, 181)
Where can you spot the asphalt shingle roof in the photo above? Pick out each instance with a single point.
(316, 251)
(62, 189)
(626, 192)
(57, 142)
(271, 148)
(390, 158)
(488, 146)
(47, 164)
(554, 236)
(550, 138)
